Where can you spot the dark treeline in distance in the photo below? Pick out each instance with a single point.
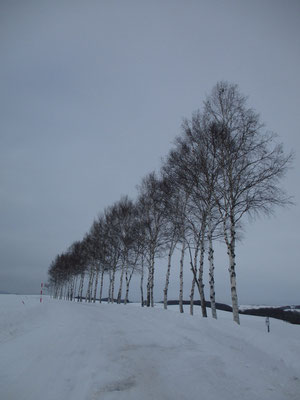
(222, 167)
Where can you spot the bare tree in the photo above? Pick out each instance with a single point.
(185, 171)
(96, 243)
(250, 166)
(200, 162)
(223, 166)
(173, 224)
(113, 246)
(124, 210)
(150, 203)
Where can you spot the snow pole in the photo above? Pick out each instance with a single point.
(268, 323)
(41, 292)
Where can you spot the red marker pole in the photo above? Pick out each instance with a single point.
(41, 292)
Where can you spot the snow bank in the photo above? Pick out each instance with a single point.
(77, 351)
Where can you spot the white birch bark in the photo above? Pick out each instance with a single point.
(200, 278)
(101, 285)
(71, 288)
(167, 278)
(142, 283)
(67, 293)
(193, 263)
(211, 272)
(192, 297)
(91, 283)
(113, 284)
(181, 278)
(128, 277)
(152, 282)
(75, 288)
(109, 287)
(121, 285)
(80, 293)
(232, 274)
(149, 284)
(87, 295)
(96, 285)
(127, 288)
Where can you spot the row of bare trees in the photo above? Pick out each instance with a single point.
(222, 167)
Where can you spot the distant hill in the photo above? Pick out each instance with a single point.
(286, 313)
(220, 306)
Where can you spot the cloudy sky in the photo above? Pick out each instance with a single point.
(92, 94)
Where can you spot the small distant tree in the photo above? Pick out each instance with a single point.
(78, 258)
(96, 244)
(125, 217)
(113, 247)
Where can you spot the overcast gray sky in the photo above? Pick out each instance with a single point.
(92, 94)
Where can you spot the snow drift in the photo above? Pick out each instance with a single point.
(62, 350)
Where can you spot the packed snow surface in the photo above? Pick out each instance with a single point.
(60, 350)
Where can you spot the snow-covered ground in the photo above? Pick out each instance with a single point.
(59, 350)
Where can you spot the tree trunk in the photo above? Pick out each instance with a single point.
(69, 290)
(127, 286)
(121, 285)
(87, 295)
(149, 284)
(167, 278)
(109, 289)
(128, 280)
(152, 282)
(142, 283)
(211, 273)
(101, 286)
(75, 288)
(80, 290)
(90, 286)
(113, 284)
(200, 278)
(96, 286)
(193, 263)
(181, 278)
(231, 254)
(192, 297)
(127, 293)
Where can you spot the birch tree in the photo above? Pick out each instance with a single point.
(200, 160)
(125, 217)
(186, 175)
(150, 203)
(250, 167)
(96, 243)
(113, 247)
(172, 202)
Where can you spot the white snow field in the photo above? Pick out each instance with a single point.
(60, 350)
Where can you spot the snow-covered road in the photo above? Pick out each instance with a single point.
(59, 350)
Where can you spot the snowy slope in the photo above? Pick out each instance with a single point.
(61, 350)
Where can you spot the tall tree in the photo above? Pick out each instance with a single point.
(151, 206)
(250, 166)
(185, 171)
